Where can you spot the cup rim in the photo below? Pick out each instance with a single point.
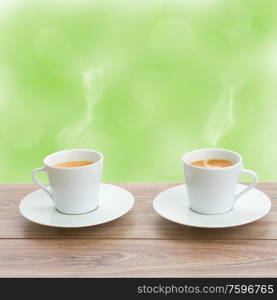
(70, 150)
(215, 168)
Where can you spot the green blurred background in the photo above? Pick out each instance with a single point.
(141, 81)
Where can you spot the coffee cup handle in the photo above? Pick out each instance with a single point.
(42, 186)
(250, 186)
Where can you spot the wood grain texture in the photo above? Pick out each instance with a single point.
(137, 258)
(140, 244)
(141, 222)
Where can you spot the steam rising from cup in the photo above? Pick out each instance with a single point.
(222, 117)
(71, 136)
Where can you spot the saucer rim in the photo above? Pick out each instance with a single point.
(132, 198)
(208, 226)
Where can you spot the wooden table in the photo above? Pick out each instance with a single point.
(140, 244)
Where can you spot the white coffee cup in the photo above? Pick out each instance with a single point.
(213, 190)
(73, 190)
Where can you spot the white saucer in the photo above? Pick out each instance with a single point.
(114, 203)
(172, 204)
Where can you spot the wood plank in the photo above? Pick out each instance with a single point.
(137, 258)
(140, 222)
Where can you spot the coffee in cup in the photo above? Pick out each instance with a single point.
(212, 163)
(74, 180)
(73, 164)
(212, 177)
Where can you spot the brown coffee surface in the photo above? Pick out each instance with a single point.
(73, 164)
(212, 163)
(199, 163)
